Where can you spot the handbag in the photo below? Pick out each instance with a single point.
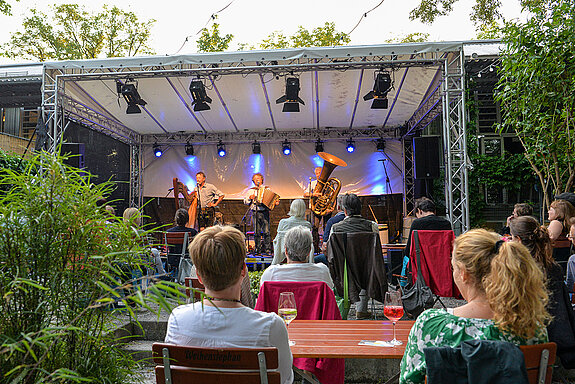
(418, 297)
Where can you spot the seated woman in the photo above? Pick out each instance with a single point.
(491, 275)
(560, 213)
(296, 213)
(561, 329)
(219, 256)
(133, 218)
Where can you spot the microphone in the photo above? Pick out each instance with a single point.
(382, 160)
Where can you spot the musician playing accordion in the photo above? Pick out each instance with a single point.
(208, 198)
(261, 216)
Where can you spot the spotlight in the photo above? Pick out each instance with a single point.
(256, 148)
(157, 150)
(319, 146)
(380, 144)
(189, 149)
(381, 87)
(350, 146)
(291, 99)
(286, 147)
(131, 95)
(199, 95)
(221, 149)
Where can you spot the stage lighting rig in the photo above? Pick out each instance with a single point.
(381, 87)
(380, 144)
(157, 150)
(318, 146)
(291, 99)
(286, 147)
(350, 147)
(130, 93)
(189, 149)
(221, 149)
(199, 95)
(256, 148)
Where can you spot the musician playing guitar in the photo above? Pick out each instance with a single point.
(261, 216)
(208, 198)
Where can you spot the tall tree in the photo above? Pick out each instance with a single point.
(5, 8)
(70, 32)
(536, 92)
(212, 41)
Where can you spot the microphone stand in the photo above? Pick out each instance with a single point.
(387, 182)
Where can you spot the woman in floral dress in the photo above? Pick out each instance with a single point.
(491, 275)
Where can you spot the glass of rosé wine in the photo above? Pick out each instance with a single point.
(393, 310)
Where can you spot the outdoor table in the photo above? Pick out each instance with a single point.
(341, 338)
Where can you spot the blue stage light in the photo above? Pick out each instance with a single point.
(286, 147)
(221, 149)
(157, 150)
(350, 146)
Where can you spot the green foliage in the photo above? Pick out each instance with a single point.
(69, 32)
(212, 41)
(325, 36)
(536, 92)
(415, 37)
(255, 277)
(62, 265)
(489, 30)
(5, 8)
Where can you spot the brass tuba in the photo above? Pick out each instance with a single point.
(328, 187)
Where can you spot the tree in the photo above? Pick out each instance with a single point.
(414, 37)
(70, 32)
(536, 92)
(212, 41)
(5, 8)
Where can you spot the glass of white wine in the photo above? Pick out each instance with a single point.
(287, 309)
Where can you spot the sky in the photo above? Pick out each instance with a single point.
(250, 21)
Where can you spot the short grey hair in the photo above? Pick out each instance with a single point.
(297, 208)
(297, 243)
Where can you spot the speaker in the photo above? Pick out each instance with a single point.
(426, 157)
(76, 153)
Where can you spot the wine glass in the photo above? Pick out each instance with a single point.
(287, 309)
(393, 310)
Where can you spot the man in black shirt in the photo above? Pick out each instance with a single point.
(181, 218)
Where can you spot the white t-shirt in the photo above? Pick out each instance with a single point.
(230, 328)
(297, 272)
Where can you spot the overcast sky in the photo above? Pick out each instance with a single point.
(252, 20)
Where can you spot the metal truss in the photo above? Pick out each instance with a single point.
(426, 113)
(455, 142)
(136, 176)
(408, 175)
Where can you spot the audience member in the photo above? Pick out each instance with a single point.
(570, 279)
(339, 216)
(296, 218)
(506, 300)
(527, 231)
(353, 222)
(132, 217)
(220, 320)
(560, 213)
(298, 244)
(425, 220)
(181, 219)
(520, 209)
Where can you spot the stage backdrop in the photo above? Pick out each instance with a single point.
(288, 176)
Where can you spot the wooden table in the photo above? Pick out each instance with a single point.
(340, 338)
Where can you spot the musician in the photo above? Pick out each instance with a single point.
(208, 198)
(261, 215)
(317, 219)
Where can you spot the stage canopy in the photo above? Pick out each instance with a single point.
(244, 87)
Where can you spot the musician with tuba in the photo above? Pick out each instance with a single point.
(323, 193)
(261, 200)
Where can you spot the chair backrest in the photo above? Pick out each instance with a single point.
(178, 241)
(314, 299)
(435, 249)
(186, 364)
(194, 282)
(539, 360)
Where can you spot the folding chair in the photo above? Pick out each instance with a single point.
(186, 364)
(194, 282)
(539, 360)
(434, 249)
(176, 246)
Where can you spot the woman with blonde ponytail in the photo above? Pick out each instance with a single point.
(506, 301)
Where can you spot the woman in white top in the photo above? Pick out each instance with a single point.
(219, 256)
(296, 218)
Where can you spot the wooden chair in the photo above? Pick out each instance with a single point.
(186, 364)
(194, 282)
(539, 360)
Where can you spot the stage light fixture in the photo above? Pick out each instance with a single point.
(189, 149)
(286, 147)
(319, 146)
(256, 148)
(350, 146)
(291, 99)
(131, 95)
(380, 144)
(157, 151)
(199, 95)
(381, 87)
(221, 149)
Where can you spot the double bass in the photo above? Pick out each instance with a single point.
(191, 197)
